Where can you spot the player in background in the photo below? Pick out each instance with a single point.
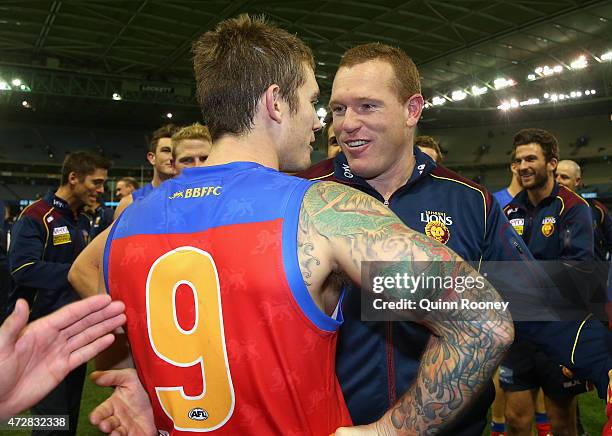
(555, 223)
(191, 146)
(160, 157)
(504, 196)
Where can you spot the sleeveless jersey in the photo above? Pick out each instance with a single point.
(223, 331)
(141, 193)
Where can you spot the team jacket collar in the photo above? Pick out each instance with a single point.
(522, 199)
(58, 204)
(423, 166)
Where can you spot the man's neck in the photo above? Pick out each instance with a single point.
(65, 193)
(249, 148)
(536, 195)
(158, 178)
(395, 177)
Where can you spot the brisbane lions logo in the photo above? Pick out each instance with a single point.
(548, 226)
(437, 230)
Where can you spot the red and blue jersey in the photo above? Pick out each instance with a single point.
(223, 331)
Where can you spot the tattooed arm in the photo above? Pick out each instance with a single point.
(339, 228)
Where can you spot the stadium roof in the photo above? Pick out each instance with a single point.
(73, 56)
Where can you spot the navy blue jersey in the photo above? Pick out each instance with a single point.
(92, 226)
(558, 228)
(45, 240)
(141, 193)
(377, 361)
(602, 224)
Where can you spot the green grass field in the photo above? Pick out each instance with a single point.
(591, 410)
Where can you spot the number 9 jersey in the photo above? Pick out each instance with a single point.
(224, 334)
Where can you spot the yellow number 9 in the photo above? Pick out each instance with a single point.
(204, 344)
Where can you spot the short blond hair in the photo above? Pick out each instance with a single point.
(194, 131)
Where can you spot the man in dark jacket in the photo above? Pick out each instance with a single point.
(45, 240)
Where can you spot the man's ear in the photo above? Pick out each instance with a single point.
(414, 107)
(552, 164)
(272, 103)
(151, 157)
(73, 179)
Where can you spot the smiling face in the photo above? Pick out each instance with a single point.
(90, 187)
(373, 126)
(301, 126)
(533, 170)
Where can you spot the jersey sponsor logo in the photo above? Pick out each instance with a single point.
(511, 211)
(421, 168)
(548, 225)
(198, 414)
(162, 433)
(429, 216)
(437, 230)
(61, 235)
(204, 191)
(519, 225)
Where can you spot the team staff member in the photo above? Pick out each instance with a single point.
(160, 157)
(378, 158)
(555, 223)
(569, 175)
(45, 240)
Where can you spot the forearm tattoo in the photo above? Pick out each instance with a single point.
(465, 347)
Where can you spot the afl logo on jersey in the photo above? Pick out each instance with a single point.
(437, 230)
(548, 226)
(198, 414)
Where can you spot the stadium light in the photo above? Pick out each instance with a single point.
(501, 83)
(579, 63)
(458, 95)
(479, 90)
(437, 101)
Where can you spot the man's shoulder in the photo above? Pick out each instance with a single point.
(323, 170)
(462, 183)
(570, 200)
(36, 211)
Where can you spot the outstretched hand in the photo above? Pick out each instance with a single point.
(35, 358)
(128, 410)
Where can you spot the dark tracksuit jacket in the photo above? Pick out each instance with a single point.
(602, 223)
(45, 241)
(92, 226)
(377, 361)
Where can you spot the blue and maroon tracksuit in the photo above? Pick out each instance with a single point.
(377, 361)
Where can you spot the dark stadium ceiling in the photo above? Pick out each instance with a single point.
(72, 56)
